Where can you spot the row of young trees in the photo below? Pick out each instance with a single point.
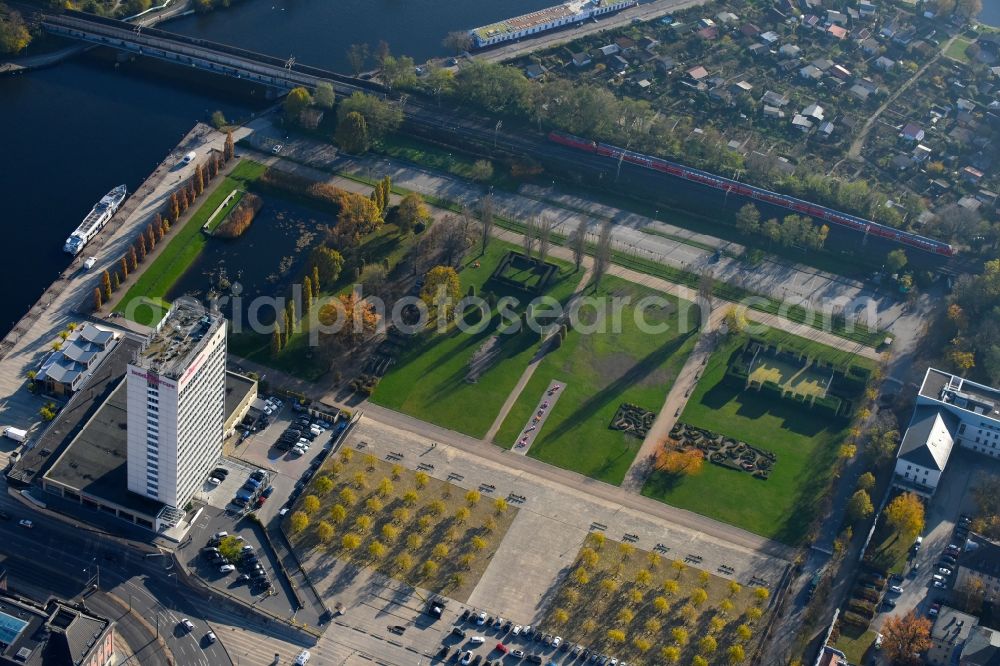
(180, 200)
(797, 231)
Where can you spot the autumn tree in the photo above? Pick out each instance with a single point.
(228, 150)
(895, 260)
(299, 521)
(98, 302)
(349, 319)
(904, 638)
(324, 531)
(14, 33)
(681, 462)
(323, 96)
(327, 264)
(297, 101)
(905, 515)
(411, 211)
(442, 290)
(310, 504)
(866, 481)
(860, 506)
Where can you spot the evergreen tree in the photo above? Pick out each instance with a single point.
(307, 295)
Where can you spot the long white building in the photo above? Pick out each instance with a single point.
(543, 20)
(176, 405)
(950, 410)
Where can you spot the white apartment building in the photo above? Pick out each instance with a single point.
(950, 410)
(176, 405)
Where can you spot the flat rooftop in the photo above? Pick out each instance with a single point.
(71, 418)
(54, 633)
(177, 340)
(960, 392)
(95, 462)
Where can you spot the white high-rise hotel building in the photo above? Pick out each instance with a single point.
(176, 405)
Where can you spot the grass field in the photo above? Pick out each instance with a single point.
(210, 227)
(805, 442)
(635, 605)
(602, 371)
(372, 513)
(854, 643)
(956, 50)
(805, 382)
(428, 380)
(183, 247)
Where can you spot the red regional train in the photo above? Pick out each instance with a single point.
(749, 191)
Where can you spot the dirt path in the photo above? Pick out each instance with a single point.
(508, 404)
(855, 151)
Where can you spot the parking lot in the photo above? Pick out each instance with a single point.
(952, 499)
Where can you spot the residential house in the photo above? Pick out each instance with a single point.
(749, 30)
(866, 8)
(810, 21)
(711, 33)
(904, 37)
(770, 37)
(726, 18)
(790, 50)
(773, 112)
(664, 64)
(617, 64)
(801, 123)
(901, 162)
(741, 88)
(706, 23)
(912, 132)
(926, 448)
(949, 633)
(885, 64)
(697, 73)
(980, 560)
(642, 79)
(787, 65)
(826, 129)
(969, 203)
(814, 112)
(581, 59)
(625, 45)
(812, 5)
(837, 32)
(868, 84)
(963, 104)
(853, 14)
(534, 70)
(757, 49)
(648, 43)
(889, 30)
(609, 50)
(822, 64)
(833, 17)
(860, 91)
(870, 46)
(971, 175)
(922, 153)
(840, 72)
(772, 98)
(982, 648)
(987, 196)
(811, 73)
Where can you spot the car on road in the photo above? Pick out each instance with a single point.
(188, 626)
(466, 658)
(210, 637)
(24, 522)
(227, 568)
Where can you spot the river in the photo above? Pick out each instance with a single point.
(74, 131)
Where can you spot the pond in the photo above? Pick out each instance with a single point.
(264, 262)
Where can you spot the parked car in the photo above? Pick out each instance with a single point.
(501, 648)
(944, 571)
(516, 631)
(220, 472)
(517, 654)
(896, 589)
(477, 640)
(442, 653)
(227, 568)
(267, 491)
(458, 631)
(466, 658)
(934, 609)
(186, 623)
(302, 658)
(481, 619)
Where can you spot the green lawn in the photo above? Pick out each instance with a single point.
(805, 442)
(956, 50)
(223, 214)
(429, 380)
(432, 156)
(602, 370)
(143, 303)
(854, 643)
